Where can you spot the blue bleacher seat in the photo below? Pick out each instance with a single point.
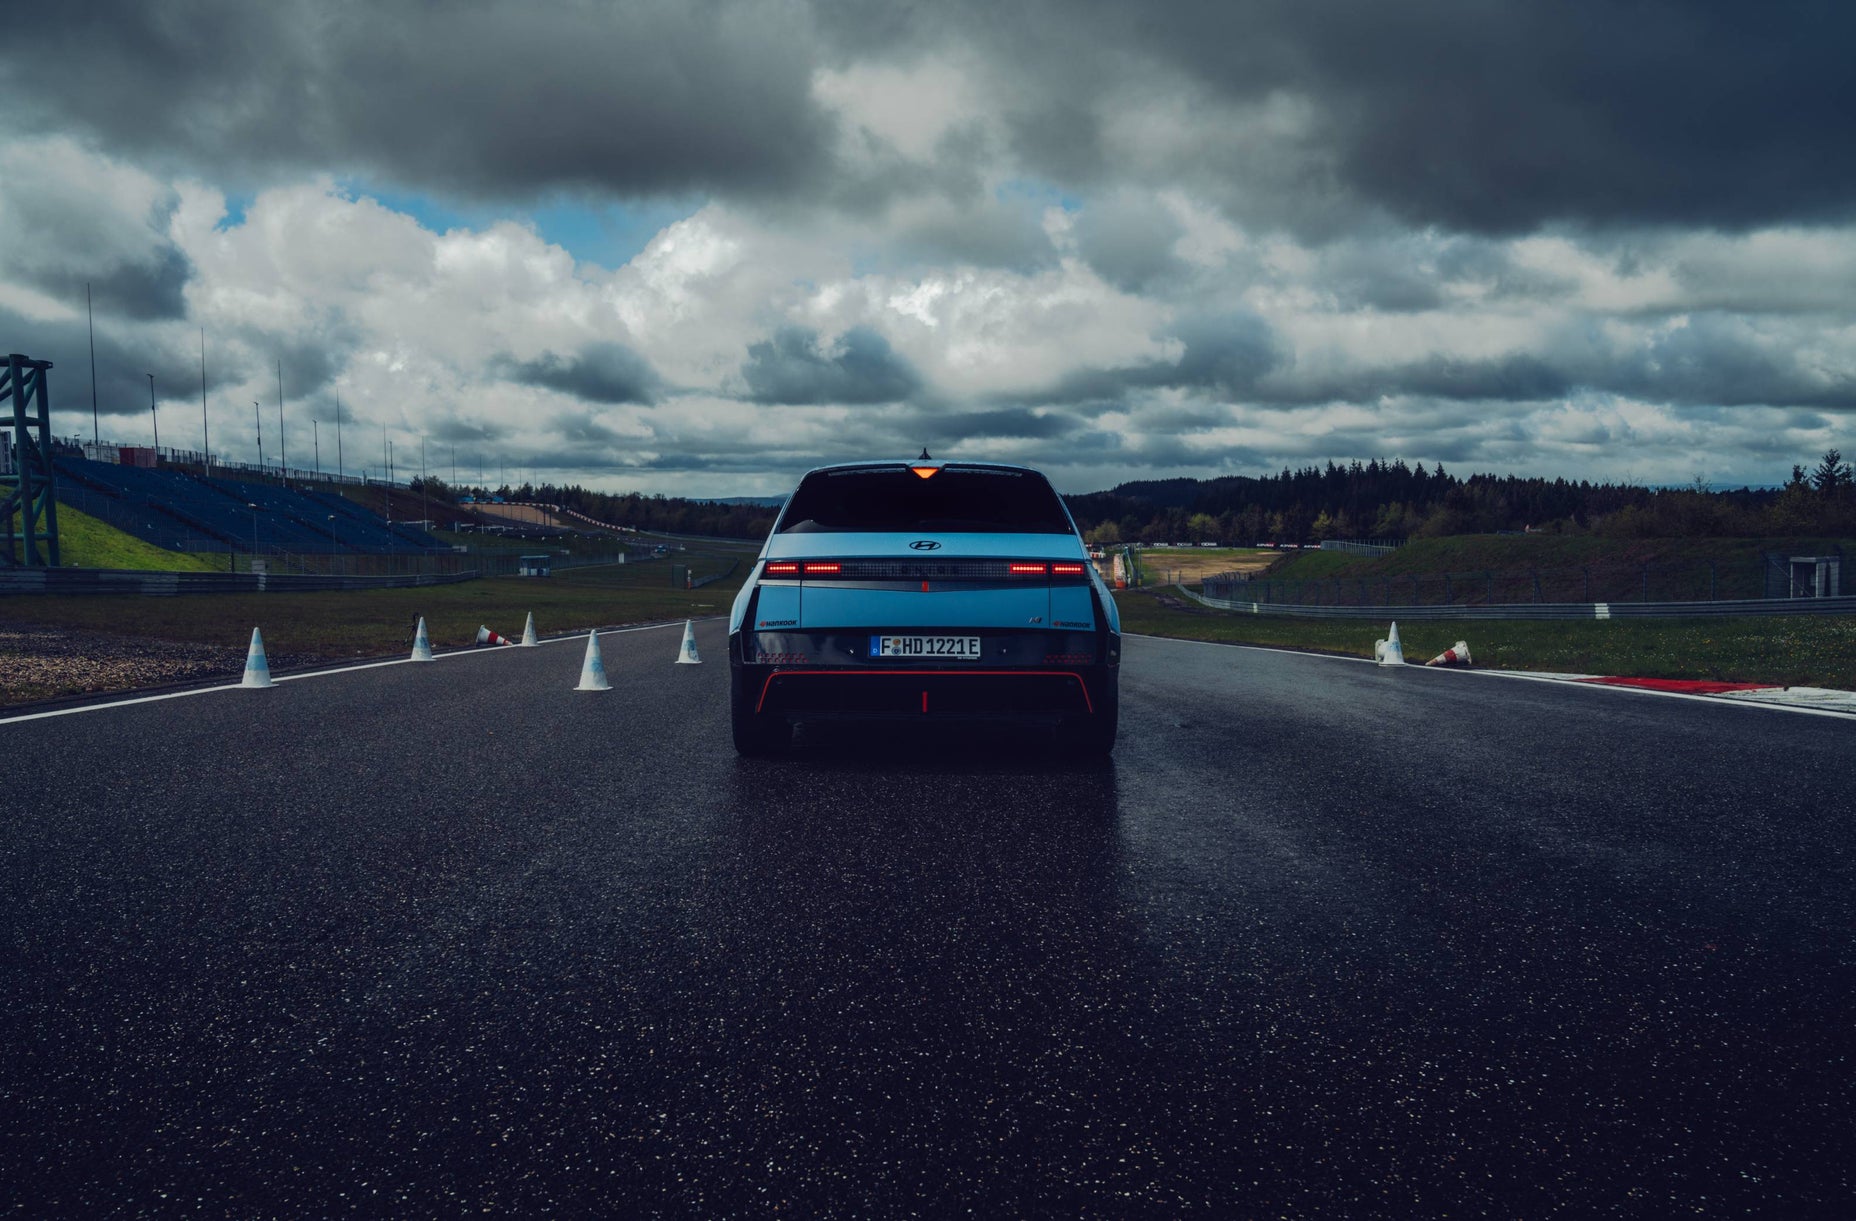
(184, 512)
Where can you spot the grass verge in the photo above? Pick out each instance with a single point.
(302, 629)
(85, 542)
(1802, 651)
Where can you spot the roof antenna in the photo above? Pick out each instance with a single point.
(924, 457)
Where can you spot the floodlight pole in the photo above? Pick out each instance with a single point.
(206, 438)
(340, 476)
(257, 420)
(283, 470)
(315, 436)
(96, 437)
(156, 419)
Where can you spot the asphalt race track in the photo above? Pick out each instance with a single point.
(1324, 939)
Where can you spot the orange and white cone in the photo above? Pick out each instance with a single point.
(1389, 652)
(593, 668)
(1456, 655)
(529, 639)
(421, 643)
(687, 655)
(257, 667)
(486, 636)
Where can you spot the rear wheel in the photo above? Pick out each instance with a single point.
(756, 734)
(1093, 735)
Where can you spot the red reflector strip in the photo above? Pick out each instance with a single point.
(782, 569)
(812, 569)
(1026, 570)
(1066, 570)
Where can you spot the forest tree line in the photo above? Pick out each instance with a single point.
(1381, 500)
(1370, 500)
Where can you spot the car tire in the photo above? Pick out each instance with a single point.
(1093, 736)
(756, 734)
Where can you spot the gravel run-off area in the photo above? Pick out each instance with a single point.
(53, 663)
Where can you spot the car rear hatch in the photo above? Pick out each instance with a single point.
(995, 581)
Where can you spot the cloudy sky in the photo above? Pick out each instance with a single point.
(697, 247)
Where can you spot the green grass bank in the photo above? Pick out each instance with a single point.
(1810, 651)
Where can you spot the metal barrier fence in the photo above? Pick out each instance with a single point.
(1357, 546)
(148, 455)
(1767, 575)
(1542, 610)
(171, 584)
(481, 563)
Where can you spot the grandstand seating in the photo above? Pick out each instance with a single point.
(184, 512)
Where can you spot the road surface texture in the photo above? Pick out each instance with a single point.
(1324, 939)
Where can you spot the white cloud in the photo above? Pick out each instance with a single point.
(1548, 353)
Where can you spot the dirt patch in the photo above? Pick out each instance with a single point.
(1193, 566)
(48, 663)
(1178, 604)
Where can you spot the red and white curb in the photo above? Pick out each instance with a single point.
(1803, 699)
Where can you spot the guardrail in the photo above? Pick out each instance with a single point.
(699, 582)
(1354, 546)
(1543, 610)
(171, 584)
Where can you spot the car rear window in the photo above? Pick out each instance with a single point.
(973, 500)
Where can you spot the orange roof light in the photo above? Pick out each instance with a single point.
(924, 466)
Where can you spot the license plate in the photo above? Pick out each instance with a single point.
(927, 648)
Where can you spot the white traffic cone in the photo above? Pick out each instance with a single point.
(1456, 655)
(1389, 652)
(687, 655)
(486, 636)
(257, 668)
(529, 639)
(593, 669)
(421, 643)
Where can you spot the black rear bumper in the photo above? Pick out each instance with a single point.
(1040, 675)
(802, 692)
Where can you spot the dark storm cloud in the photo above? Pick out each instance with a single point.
(792, 368)
(125, 357)
(1722, 361)
(941, 428)
(1486, 115)
(1710, 361)
(599, 373)
(454, 431)
(584, 429)
(1225, 355)
(145, 290)
(1128, 241)
(496, 97)
(1520, 377)
(1502, 116)
(58, 236)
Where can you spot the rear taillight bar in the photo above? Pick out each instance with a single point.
(896, 569)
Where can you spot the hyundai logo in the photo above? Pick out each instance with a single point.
(925, 544)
